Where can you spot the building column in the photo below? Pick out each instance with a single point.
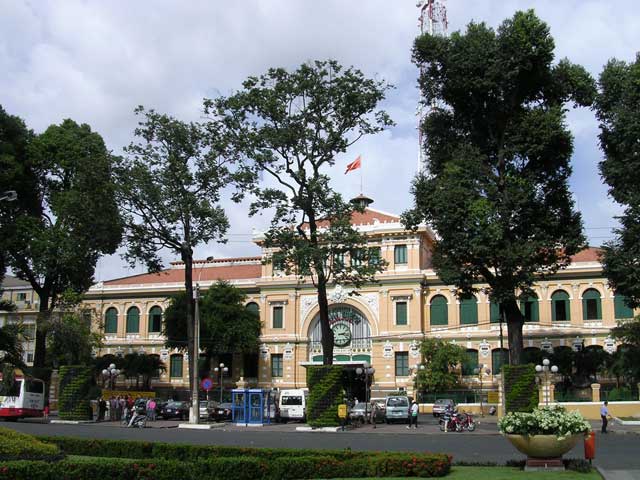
(595, 392)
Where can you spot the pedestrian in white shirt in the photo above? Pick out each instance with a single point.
(413, 415)
(604, 413)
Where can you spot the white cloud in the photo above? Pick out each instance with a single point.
(95, 61)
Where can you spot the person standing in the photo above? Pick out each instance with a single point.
(413, 414)
(151, 409)
(604, 413)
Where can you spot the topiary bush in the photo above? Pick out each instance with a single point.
(20, 446)
(520, 389)
(76, 383)
(325, 394)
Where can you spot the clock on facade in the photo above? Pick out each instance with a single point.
(341, 334)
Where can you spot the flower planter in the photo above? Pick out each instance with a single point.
(544, 446)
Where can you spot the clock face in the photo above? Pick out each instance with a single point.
(341, 334)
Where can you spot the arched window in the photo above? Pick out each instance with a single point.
(499, 357)
(560, 310)
(469, 310)
(529, 308)
(133, 320)
(591, 305)
(253, 308)
(621, 307)
(438, 311)
(175, 366)
(111, 321)
(470, 362)
(155, 319)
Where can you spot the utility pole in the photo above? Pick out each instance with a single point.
(432, 20)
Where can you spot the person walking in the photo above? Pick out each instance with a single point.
(413, 415)
(604, 413)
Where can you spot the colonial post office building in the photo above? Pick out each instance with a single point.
(383, 325)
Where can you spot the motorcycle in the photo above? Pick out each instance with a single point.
(137, 418)
(457, 422)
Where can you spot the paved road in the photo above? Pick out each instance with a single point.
(615, 451)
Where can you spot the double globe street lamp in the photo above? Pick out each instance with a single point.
(110, 374)
(546, 370)
(221, 371)
(480, 371)
(368, 371)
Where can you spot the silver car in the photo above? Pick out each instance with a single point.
(397, 409)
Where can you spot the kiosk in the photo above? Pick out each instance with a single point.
(253, 406)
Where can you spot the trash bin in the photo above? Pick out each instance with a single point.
(590, 446)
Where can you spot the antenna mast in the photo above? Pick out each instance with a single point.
(432, 20)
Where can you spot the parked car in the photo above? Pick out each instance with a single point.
(207, 408)
(362, 412)
(397, 408)
(222, 412)
(175, 409)
(441, 404)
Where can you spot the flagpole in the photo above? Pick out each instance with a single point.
(361, 169)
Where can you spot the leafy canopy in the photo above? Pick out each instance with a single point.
(293, 125)
(226, 326)
(618, 111)
(441, 358)
(496, 188)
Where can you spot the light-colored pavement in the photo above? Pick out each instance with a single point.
(620, 474)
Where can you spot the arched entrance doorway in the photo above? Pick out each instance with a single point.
(352, 345)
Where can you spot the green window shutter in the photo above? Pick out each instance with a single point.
(278, 316)
(438, 311)
(494, 312)
(591, 305)
(622, 309)
(155, 319)
(356, 257)
(499, 357)
(402, 364)
(470, 362)
(276, 365)
(111, 321)
(469, 311)
(133, 320)
(401, 313)
(253, 308)
(529, 308)
(560, 310)
(175, 366)
(400, 254)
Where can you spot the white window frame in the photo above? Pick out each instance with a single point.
(401, 299)
(273, 306)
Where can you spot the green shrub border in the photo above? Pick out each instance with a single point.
(520, 389)
(238, 468)
(325, 395)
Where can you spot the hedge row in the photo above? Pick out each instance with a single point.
(16, 445)
(240, 468)
(181, 452)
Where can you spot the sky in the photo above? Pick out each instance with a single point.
(95, 61)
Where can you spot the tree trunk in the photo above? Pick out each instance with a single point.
(327, 333)
(188, 286)
(41, 332)
(515, 321)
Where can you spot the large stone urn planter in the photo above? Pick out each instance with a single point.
(544, 446)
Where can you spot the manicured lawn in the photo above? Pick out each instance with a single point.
(508, 473)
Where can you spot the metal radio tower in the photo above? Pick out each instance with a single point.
(432, 20)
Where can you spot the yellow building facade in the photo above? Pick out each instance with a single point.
(382, 325)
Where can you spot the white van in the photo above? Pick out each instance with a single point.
(292, 404)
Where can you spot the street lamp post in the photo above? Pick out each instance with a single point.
(368, 371)
(546, 370)
(416, 368)
(110, 374)
(481, 371)
(221, 370)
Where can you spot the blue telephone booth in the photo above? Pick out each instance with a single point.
(252, 406)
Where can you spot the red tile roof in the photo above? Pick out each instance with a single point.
(368, 217)
(209, 273)
(589, 254)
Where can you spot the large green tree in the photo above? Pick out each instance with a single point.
(169, 188)
(65, 216)
(618, 111)
(226, 325)
(440, 359)
(292, 126)
(496, 187)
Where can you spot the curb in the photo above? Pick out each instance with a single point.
(71, 422)
(200, 426)
(321, 429)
